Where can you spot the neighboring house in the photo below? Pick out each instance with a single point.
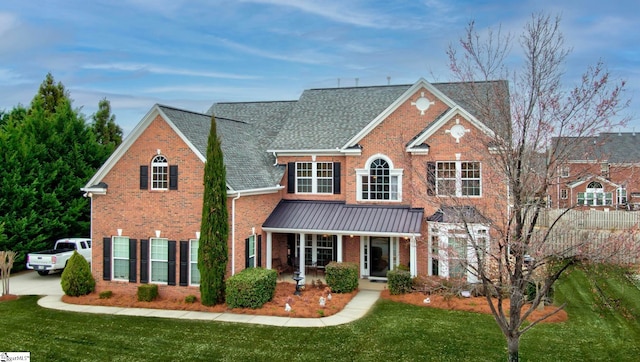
(602, 172)
(380, 176)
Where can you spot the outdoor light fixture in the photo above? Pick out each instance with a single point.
(119, 232)
(157, 233)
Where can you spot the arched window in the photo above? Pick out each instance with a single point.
(379, 181)
(595, 195)
(594, 186)
(159, 173)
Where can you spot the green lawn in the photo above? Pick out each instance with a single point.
(392, 331)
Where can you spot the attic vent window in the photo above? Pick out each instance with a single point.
(422, 103)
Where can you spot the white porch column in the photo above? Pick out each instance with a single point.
(303, 245)
(339, 248)
(413, 257)
(269, 251)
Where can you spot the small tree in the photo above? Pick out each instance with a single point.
(540, 108)
(214, 229)
(6, 263)
(76, 278)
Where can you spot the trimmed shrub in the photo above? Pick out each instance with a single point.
(147, 292)
(106, 294)
(190, 299)
(76, 278)
(251, 288)
(342, 277)
(399, 281)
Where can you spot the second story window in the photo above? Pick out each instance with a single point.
(379, 181)
(159, 173)
(314, 177)
(458, 178)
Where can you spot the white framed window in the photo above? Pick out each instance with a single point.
(604, 169)
(318, 248)
(564, 171)
(621, 195)
(595, 195)
(314, 177)
(252, 251)
(457, 257)
(159, 173)
(120, 258)
(458, 178)
(159, 260)
(564, 194)
(194, 272)
(379, 180)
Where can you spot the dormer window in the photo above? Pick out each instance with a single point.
(379, 181)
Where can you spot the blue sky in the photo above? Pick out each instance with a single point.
(189, 54)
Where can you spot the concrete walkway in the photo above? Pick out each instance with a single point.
(355, 309)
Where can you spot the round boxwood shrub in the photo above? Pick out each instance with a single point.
(251, 288)
(342, 277)
(76, 278)
(399, 281)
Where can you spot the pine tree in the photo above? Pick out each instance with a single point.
(104, 126)
(214, 229)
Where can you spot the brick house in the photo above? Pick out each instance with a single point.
(380, 176)
(602, 172)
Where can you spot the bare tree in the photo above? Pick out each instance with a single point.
(541, 107)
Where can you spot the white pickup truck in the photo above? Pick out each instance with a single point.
(56, 259)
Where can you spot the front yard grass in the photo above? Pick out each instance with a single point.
(393, 331)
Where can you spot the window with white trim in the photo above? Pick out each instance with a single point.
(564, 194)
(458, 178)
(564, 171)
(314, 177)
(457, 257)
(194, 272)
(595, 195)
(120, 258)
(379, 181)
(621, 195)
(159, 173)
(159, 260)
(318, 249)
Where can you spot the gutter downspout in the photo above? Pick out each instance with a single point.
(233, 233)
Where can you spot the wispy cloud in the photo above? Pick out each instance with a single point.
(305, 56)
(337, 11)
(150, 68)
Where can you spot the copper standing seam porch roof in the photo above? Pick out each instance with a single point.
(338, 217)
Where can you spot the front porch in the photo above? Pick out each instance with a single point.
(307, 235)
(363, 284)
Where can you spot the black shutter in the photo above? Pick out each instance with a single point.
(106, 258)
(259, 248)
(431, 178)
(184, 263)
(173, 177)
(144, 261)
(133, 261)
(144, 177)
(335, 248)
(171, 279)
(291, 177)
(336, 178)
(246, 252)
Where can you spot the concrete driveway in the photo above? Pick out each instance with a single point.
(30, 283)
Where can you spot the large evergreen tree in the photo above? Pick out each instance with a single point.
(214, 230)
(47, 153)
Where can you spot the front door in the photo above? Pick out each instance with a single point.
(379, 252)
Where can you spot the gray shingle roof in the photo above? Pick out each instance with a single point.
(611, 147)
(247, 164)
(328, 118)
(337, 216)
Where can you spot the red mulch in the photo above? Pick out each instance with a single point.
(8, 297)
(474, 304)
(305, 306)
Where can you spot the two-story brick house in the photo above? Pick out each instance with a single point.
(379, 176)
(600, 172)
